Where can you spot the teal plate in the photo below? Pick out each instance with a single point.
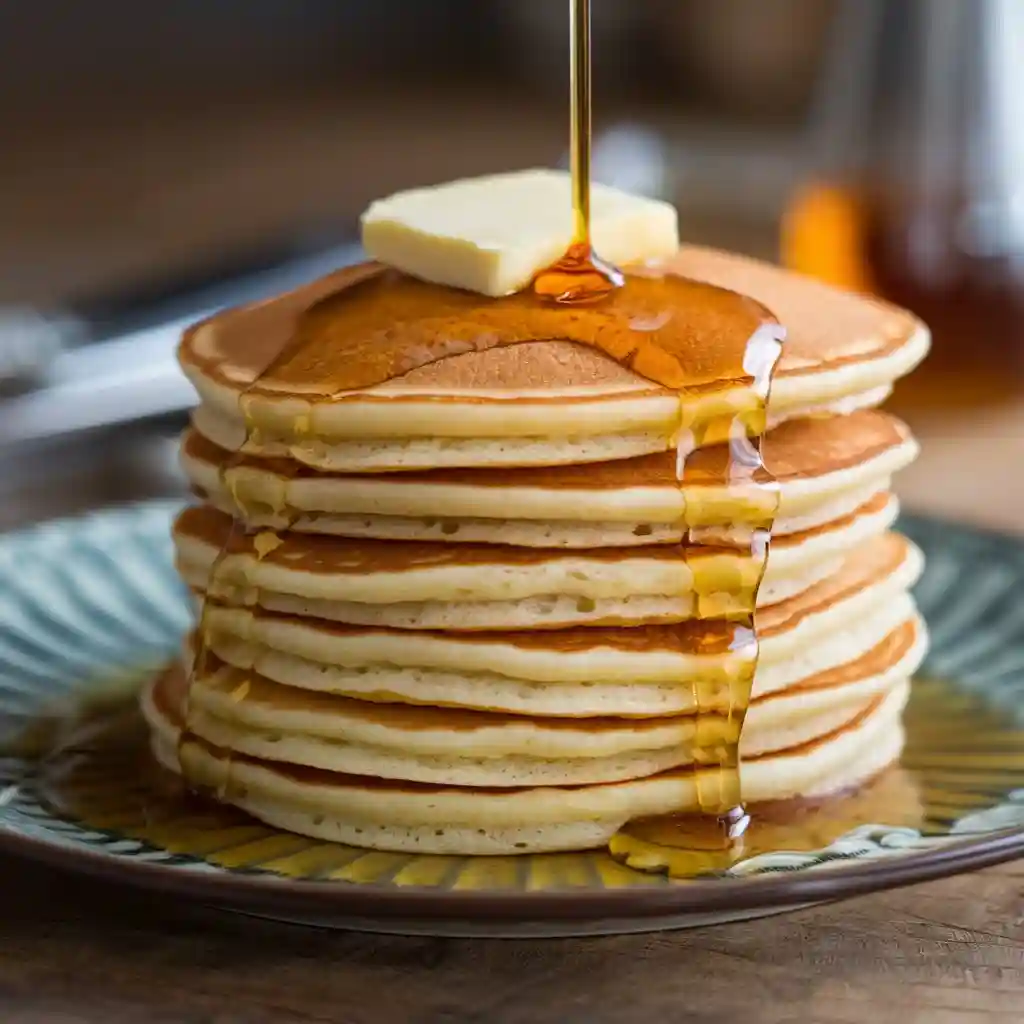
(90, 607)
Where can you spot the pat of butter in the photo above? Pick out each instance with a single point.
(492, 235)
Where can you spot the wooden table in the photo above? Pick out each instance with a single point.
(81, 953)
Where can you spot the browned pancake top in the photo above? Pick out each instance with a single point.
(367, 325)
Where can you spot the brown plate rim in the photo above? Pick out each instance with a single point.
(784, 889)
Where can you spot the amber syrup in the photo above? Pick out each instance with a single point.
(580, 276)
(689, 844)
(204, 661)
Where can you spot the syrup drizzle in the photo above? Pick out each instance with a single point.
(684, 845)
(580, 275)
(204, 661)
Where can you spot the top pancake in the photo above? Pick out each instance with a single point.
(339, 380)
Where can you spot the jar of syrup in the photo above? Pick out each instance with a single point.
(916, 188)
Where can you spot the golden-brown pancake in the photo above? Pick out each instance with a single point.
(582, 672)
(239, 710)
(426, 585)
(825, 468)
(392, 814)
(443, 378)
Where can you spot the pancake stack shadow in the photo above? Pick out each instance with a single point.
(450, 614)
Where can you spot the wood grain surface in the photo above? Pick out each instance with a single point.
(76, 952)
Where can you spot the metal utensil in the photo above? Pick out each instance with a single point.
(29, 341)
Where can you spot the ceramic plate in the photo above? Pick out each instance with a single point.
(90, 607)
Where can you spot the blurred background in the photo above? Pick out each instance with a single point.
(161, 160)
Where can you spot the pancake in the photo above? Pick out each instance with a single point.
(241, 711)
(410, 585)
(445, 819)
(387, 455)
(825, 468)
(336, 376)
(642, 671)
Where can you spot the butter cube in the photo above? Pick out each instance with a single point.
(493, 234)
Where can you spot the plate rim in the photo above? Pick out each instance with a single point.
(784, 888)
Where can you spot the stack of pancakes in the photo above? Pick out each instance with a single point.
(450, 613)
